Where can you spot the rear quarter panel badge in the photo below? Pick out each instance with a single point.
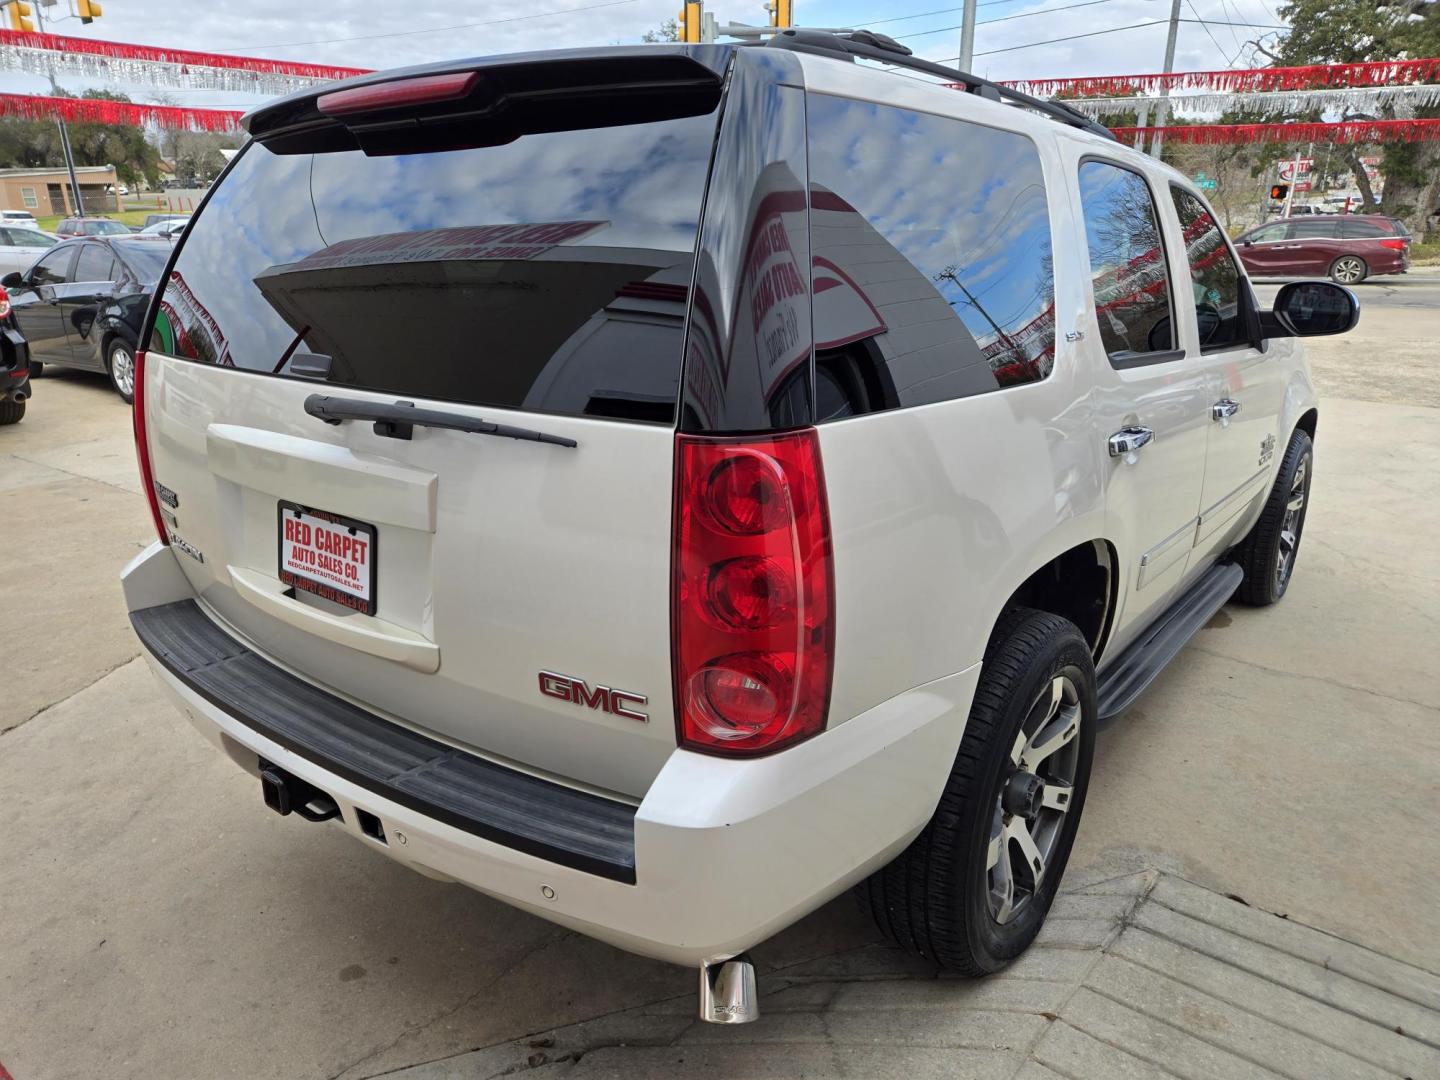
(180, 543)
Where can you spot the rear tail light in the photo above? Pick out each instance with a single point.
(752, 594)
(4, 302)
(142, 449)
(1395, 245)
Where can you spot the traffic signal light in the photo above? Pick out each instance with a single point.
(689, 21)
(20, 16)
(782, 13)
(1279, 191)
(88, 10)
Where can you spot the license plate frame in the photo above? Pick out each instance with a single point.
(315, 580)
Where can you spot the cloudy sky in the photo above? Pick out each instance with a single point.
(368, 33)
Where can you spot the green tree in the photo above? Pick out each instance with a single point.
(1356, 31)
(669, 30)
(35, 144)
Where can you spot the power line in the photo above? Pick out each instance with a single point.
(1056, 41)
(1003, 18)
(440, 29)
(924, 14)
(1206, 27)
(1262, 26)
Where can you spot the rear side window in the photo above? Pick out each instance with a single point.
(1215, 283)
(1361, 230)
(549, 273)
(932, 269)
(95, 264)
(1127, 264)
(1314, 230)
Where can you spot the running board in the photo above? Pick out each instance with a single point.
(1135, 669)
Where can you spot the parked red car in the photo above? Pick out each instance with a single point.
(1346, 248)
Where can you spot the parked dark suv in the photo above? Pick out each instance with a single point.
(83, 302)
(1347, 249)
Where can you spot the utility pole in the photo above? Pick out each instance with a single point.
(967, 36)
(1163, 109)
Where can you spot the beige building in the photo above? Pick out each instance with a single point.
(47, 191)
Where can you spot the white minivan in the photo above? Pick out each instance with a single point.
(665, 487)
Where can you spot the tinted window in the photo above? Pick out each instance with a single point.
(1268, 234)
(1215, 281)
(549, 273)
(53, 269)
(932, 269)
(1361, 230)
(1127, 261)
(1314, 230)
(104, 228)
(95, 264)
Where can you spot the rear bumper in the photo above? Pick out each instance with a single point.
(724, 853)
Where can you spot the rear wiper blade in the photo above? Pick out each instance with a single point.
(398, 420)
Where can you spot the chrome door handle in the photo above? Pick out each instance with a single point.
(1224, 409)
(1127, 440)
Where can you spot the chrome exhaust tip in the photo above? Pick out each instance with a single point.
(727, 991)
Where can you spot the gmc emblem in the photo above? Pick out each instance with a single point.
(578, 692)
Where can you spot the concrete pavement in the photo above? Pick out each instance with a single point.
(156, 921)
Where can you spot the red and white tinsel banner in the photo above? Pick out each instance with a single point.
(99, 111)
(1404, 99)
(1349, 131)
(158, 66)
(1253, 80)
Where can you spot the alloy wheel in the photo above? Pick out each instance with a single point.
(1034, 798)
(122, 370)
(1348, 270)
(1291, 525)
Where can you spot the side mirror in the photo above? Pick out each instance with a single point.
(1247, 242)
(12, 280)
(1312, 309)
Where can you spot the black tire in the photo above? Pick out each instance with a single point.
(1259, 554)
(1342, 270)
(11, 412)
(120, 358)
(934, 899)
(36, 369)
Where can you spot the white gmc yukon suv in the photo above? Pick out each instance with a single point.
(665, 487)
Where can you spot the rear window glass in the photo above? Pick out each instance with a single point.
(548, 274)
(145, 259)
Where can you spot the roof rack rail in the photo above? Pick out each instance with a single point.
(869, 45)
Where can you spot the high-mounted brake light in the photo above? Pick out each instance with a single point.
(752, 593)
(397, 93)
(142, 449)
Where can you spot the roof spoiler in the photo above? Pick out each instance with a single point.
(511, 95)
